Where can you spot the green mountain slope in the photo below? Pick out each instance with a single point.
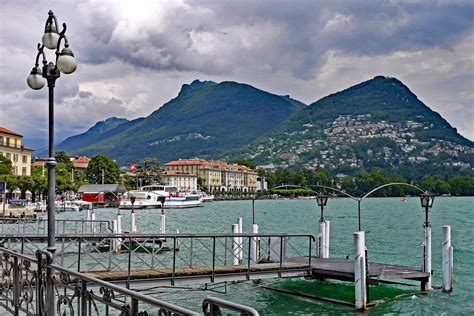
(205, 119)
(377, 123)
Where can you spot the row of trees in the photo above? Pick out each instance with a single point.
(364, 181)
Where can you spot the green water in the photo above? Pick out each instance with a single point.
(393, 235)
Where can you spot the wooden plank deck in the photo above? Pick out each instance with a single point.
(143, 274)
(343, 269)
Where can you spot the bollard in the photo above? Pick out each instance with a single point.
(240, 223)
(177, 241)
(235, 245)
(133, 222)
(326, 240)
(93, 222)
(322, 242)
(253, 245)
(114, 231)
(162, 223)
(88, 215)
(119, 230)
(360, 271)
(447, 253)
(427, 257)
(320, 246)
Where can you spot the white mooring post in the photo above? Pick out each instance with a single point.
(93, 222)
(326, 240)
(119, 229)
(427, 255)
(448, 278)
(114, 230)
(235, 245)
(88, 215)
(133, 222)
(162, 223)
(321, 241)
(241, 239)
(254, 245)
(359, 271)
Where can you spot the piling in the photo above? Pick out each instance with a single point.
(162, 223)
(326, 240)
(115, 240)
(360, 271)
(254, 245)
(322, 240)
(93, 222)
(235, 245)
(447, 253)
(133, 222)
(427, 257)
(240, 223)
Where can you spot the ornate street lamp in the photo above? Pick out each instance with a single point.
(322, 200)
(38, 77)
(427, 201)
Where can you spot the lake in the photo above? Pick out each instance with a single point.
(394, 234)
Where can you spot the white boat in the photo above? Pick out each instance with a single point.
(149, 197)
(206, 197)
(66, 206)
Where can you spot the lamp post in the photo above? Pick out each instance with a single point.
(427, 201)
(322, 201)
(38, 77)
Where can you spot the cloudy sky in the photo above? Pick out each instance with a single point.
(134, 56)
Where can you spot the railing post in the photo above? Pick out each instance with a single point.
(129, 261)
(427, 255)
(213, 258)
(134, 306)
(16, 286)
(235, 245)
(281, 256)
(174, 261)
(84, 298)
(309, 255)
(79, 256)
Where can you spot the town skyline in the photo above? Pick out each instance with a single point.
(133, 59)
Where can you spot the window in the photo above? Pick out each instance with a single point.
(1, 140)
(8, 141)
(23, 171)
(8, 156)
(15, 157)
(25, 158)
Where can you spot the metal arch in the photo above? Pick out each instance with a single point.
(334, 189)
(393, 184)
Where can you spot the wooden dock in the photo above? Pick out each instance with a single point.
(332, 268)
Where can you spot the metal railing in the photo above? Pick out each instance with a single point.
(167, 258)
(211, 306)
(35, 286)
(39, 226)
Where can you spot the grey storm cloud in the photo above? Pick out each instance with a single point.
(134, 55)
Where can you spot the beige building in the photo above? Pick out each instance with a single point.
(217, 175)
(183, 181)
(11, 147)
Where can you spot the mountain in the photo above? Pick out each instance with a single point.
(101, 130)
(205, 119)
(377, 123)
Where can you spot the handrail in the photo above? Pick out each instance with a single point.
(211, 307)
(124, 291)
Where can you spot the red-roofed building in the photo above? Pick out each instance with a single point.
(11, 147)
(182, 180)
(217, 175)
(80, 162)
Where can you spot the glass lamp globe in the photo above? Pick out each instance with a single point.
(35, 80)
(66, 62)
(50, 37)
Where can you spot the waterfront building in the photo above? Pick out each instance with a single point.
(12, 148)
(217, 175)
(80, 162)
(181, 180)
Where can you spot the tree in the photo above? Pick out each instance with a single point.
(5, 165)
(246, 163)
(102, 165)
(62, 157)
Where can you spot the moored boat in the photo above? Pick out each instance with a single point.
(149, 197)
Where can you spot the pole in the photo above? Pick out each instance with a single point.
(4, 198)
(51, 170)
(253, 209)
(358, 211)
(447, 254)
(103, 176)
(359, 271)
